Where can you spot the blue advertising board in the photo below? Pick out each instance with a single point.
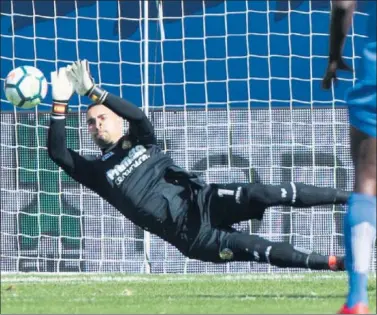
(215, 53)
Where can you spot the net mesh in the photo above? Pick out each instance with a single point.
(234, 95)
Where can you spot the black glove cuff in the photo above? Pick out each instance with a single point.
(97, 94)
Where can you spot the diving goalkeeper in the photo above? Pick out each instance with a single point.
(145, 185)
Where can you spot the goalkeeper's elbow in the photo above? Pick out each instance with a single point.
(56, 151)
(53, 153)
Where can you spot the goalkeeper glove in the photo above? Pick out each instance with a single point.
(79, 74)
(62, 90)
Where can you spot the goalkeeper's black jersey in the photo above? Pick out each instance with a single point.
(130, 175)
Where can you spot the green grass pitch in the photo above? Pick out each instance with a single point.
(313, 293)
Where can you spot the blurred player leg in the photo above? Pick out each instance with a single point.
(360, 219)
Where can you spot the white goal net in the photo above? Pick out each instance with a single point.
(233, 90)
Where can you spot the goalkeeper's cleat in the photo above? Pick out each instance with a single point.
(336, 263)
(359, 308)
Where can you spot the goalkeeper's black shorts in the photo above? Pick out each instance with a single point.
(209, 221)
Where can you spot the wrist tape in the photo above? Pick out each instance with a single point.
(97, 94)
(59, 108)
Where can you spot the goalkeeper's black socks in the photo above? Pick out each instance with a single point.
(308, 195)
(320, 262)
(341, 196)
(285, 255)
(245, 247)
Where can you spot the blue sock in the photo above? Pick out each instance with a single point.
(359, 235)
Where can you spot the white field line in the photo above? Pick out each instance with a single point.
(35, 277)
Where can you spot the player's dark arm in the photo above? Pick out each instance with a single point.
(140, 126)
(341, 20)
(71, 162)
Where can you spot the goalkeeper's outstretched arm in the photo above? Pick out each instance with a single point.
(71, 162)
(140, 126)
(57, 144)
(75, 165)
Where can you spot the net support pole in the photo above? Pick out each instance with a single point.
(147, 236)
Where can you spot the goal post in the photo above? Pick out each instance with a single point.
(233, 91)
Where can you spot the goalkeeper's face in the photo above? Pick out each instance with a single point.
(105, 127)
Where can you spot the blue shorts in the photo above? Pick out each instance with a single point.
(361, 99)
(362, 108)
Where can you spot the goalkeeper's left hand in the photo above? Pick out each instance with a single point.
(79, 75)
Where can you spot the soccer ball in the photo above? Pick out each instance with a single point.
(25, 87)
